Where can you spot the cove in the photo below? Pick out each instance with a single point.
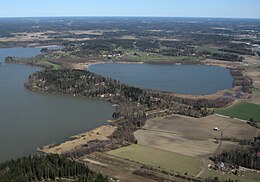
(183, 79)
(30, 120)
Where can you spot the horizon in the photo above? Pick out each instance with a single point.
(132, 8)
(195, 17)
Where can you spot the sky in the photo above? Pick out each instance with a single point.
(154, 8)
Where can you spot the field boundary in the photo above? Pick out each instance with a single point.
(224, 116)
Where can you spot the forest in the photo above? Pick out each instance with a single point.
(247, 155)
(47, 168)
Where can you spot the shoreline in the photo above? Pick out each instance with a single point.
(75, 142)
(81, 139)
(85, 66)
(219, 94)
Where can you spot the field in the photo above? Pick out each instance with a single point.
(124, 168)
(212, 50)
(114, 166)
(131, 55)
(253, 72)
(160, 158)
(188, 141)
(43, 62)
(242, 110)
(209, 49)
(193, 136)
(245, 176)
(25, 36)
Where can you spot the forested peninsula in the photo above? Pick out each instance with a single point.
(134, 105)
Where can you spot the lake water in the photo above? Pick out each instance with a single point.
(184, 79)
(30, 120)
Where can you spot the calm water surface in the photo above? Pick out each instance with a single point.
(185, 79)
(30, 120)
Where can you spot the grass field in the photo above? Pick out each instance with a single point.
(242, 110)
(212, 50)
(164, 159)
(49, 64)
(44, 62)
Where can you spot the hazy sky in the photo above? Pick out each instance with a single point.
(175, 8)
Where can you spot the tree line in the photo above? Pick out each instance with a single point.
(247, 155)
(47, 168)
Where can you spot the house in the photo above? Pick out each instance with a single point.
(216, 129)
(222, 166)
(114, 179)
(258, 154)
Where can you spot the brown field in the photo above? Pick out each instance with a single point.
(128, 37)
(255, 97)
(84, 66)
(37, 36)
(193, 136)
(253, 72)
(114, 167)
(224, 64)
(24, 37)
(123, 168)
(252, 60)
(87, 32)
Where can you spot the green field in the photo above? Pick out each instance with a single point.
(242, 110)
(212, 50)
(156, 157)
(44, 62)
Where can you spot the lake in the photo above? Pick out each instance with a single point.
(184, 79)
(30, 120)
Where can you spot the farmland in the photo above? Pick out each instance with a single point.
(245, 176)
(180, 134)
(160, 158)
(133, 55)
(192, 139)
(242, 110)
(145, 140)
(209, 49)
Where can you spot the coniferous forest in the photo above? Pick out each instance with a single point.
(47, 168)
